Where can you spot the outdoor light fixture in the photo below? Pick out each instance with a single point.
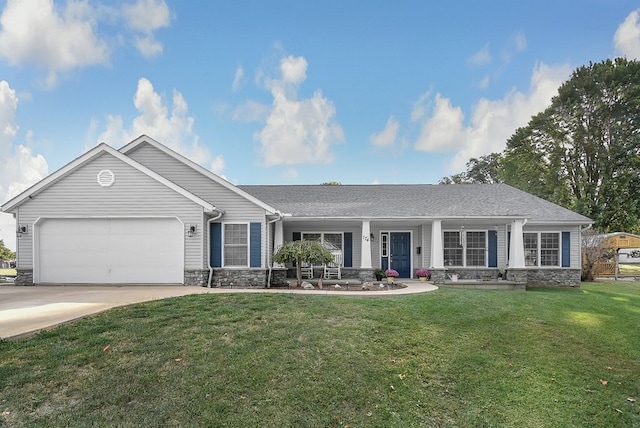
(191, 230)
(372, 237)
(22, 229)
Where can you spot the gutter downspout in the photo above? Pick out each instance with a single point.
(211, 220)
(269, 263)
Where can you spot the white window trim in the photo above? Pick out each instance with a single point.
(224, 245)
(384, 239)
(539, 249)
(464, 246)
(322, 236)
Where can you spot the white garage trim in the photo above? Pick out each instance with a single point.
(109, 250)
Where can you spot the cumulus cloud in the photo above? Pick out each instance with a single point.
(19, 167)
(482, 57)
(251, 111)
(297, 131)
(492, 121)
(145, 17)
(172, 126)
(627, 36)
(386, 137)
(33, 32)
(61, 38)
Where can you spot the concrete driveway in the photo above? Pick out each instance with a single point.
(26, 310)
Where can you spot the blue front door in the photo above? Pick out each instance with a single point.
(400, 254)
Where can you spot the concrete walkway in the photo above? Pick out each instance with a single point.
(27, 310)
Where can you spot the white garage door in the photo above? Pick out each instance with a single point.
(110, 251)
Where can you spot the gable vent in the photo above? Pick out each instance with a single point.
(106, 178)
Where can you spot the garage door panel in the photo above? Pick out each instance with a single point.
(125, 250)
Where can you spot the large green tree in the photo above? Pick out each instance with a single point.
(583, 152)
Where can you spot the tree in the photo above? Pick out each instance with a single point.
(583, 152)
(5, 253)
(484, 169)
(305, 251)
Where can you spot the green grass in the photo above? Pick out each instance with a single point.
(466, 358)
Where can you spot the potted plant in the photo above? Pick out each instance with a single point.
(391, 274)
(423, 274)
(379, 274)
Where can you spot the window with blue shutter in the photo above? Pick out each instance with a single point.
(566, 249)
(255, 245)
(215, 244)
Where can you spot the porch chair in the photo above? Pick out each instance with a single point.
(306, 270)
(332, 270)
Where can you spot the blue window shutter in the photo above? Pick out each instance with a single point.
(347, 260)
(215, 246)
(566, 249)
(508, 247)
(493, 248)
(297, 236)
(255, 245)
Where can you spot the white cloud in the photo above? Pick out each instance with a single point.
(297, 131)
(482, 57)
(148, 46)
(294, 69)
(34, 32)
(520, 42)
(145, 17)
(443, 129)
(19, 168)
(238, 77)
(627, 37)
(492, 121)
(386, 137)
(420, 106)
(172, 128)
(61, 38)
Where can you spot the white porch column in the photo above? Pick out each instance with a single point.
(516, 253)
(278, 240)
(437, 251)
(365, 257)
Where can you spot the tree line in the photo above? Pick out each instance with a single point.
(582, 152)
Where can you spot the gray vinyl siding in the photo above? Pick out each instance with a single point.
(236, 207)
(134, 194)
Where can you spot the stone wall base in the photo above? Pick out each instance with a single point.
(247, 277)
(25, 277)
(553, 278)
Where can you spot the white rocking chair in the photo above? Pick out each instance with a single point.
(306, 270)
(332, 270)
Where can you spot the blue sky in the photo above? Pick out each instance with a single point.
(289, 92)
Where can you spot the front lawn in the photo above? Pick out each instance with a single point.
(467, 358)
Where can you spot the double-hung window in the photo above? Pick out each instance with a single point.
(236, 245)
(453, 251)
(465, 248)
(331, 240)
(541, 248)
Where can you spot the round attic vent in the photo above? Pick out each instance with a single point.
(106, 178)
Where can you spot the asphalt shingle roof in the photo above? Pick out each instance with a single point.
(411, 200)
